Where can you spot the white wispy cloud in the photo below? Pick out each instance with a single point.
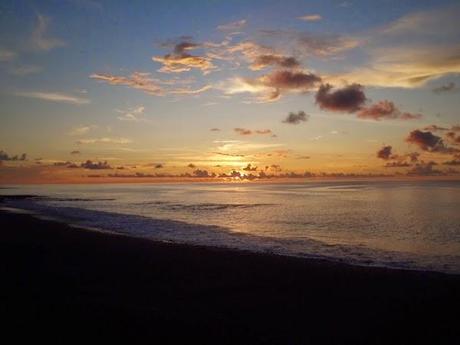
(237, 25)
(412, 50)
(135, 114)
(310, 17)
(25, 70)
(7, 55)
(81, 130)
(105, 140)
(40, 39)
(54, 97)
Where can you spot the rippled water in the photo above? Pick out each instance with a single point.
(395, 224)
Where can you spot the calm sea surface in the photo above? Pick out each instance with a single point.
(395, 224)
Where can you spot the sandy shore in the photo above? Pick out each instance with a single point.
(70, 285)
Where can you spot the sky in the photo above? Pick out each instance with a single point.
(108, 91)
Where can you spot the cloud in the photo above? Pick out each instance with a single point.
(105, 140)
(453, 138)
(137, 80)
(249, 167)
(215, 129)
(427, 141)
(385, 153)
(144, 82)
(425, 169)
(397, 164)
(310, 18)
(133, 114)
(435, 128)
(66, 164)
(75, 152)
(5, 157)
(233, 26)
(347, 99)
(445, 88)
(95, 165)
(7, 55)
(308, 44)
(262, 61)
(40, 40)
(412, 50)
(181, 61)
(24, 70)
(81, 130)
(385, 110)
(454, 161)
(263, 131)
(271, 86)
(244, 131)
(296, 118)
(203, 173)
(55, 97)
(228, 154)
(189, 91)
(191, 166)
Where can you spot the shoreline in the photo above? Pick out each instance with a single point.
(114, 287)
(261, 250)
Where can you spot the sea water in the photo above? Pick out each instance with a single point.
(397, 224)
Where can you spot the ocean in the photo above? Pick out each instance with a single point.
(396, 224)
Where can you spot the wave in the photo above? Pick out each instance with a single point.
(218, 236)
(198, 207)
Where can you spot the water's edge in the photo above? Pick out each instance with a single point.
(180, 232)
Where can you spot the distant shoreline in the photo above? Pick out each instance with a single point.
(217, 180)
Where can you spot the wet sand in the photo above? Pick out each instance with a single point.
(68, 285)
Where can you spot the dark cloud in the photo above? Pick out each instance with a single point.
(291, 80)
(5, 157)
(385, 153)
(385, 110)
(76, 152)
(203, 173)
(427, 141)
(312, 44)
(249, 167)
(242, 131)
(228, 154)
(191, 166)
(445, 88)
(397, 164)
(453, 137)
(455, 161)
(66, 164)
(413, 156)
(245, 131)
(158, 166)
(296, 118)
(181, 60)
(263, 131)
(435, 128)
(95, 165)
(215, 129)
(348, 99)
(425, 169)
(265, 60)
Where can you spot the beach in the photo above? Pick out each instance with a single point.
(65, 284)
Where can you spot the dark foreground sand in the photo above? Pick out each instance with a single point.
(65, 285)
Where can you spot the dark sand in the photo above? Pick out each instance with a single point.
(66, 285)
